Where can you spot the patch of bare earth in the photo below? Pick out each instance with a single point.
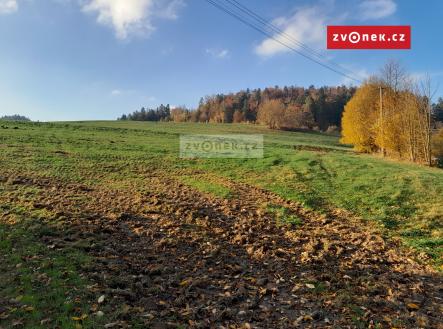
(175, 257)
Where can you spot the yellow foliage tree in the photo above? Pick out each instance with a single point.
(391, 114)
(360, 117)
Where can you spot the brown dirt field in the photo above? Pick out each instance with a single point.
(177, 257)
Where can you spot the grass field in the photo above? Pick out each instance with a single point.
(405, 199)
(402, 201)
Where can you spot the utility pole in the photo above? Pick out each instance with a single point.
(381, 123)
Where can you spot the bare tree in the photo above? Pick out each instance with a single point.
(425, 96)
(405, 114)
(394, 75)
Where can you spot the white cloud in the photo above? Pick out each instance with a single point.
(218, 53)
(116, 92)
(120, 92)
(8, 6)
(129, 17)
(307, 25)
(147, 99)
(171, 9)
(375, 9)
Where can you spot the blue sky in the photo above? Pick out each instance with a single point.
(97, 59)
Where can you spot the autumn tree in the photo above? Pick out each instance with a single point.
(296, 117)
(319, 106)
(303, 107)
(392, 82)
(391, 113)
(425, 117)
(407, 115)
(237, 117)
(271, 113)
(360, 117)
(180, 114)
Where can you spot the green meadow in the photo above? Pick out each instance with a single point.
(313, 169)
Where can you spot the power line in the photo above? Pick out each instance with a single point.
(269, 35)
(273, 27)
(320, 57)
(287, 36)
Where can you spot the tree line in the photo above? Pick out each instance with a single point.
(15, 117)
(161, 113)
(390, 113)
(393, 114)
(437, 112)
(280, 108)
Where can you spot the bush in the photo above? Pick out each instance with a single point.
(437, 147)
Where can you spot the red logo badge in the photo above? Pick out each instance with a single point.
(369, 37)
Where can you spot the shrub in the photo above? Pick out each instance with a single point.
(437, 147)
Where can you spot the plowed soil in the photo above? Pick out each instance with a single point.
(178, 258)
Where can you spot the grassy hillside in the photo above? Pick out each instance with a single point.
(102, 224)
(310, 168)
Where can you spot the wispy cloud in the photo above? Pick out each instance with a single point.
(8, 6)
(217, 53)
(120, 92)
(376, 9)
(131, 17)
(116, 92)
(171, 9)
(306, 25)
